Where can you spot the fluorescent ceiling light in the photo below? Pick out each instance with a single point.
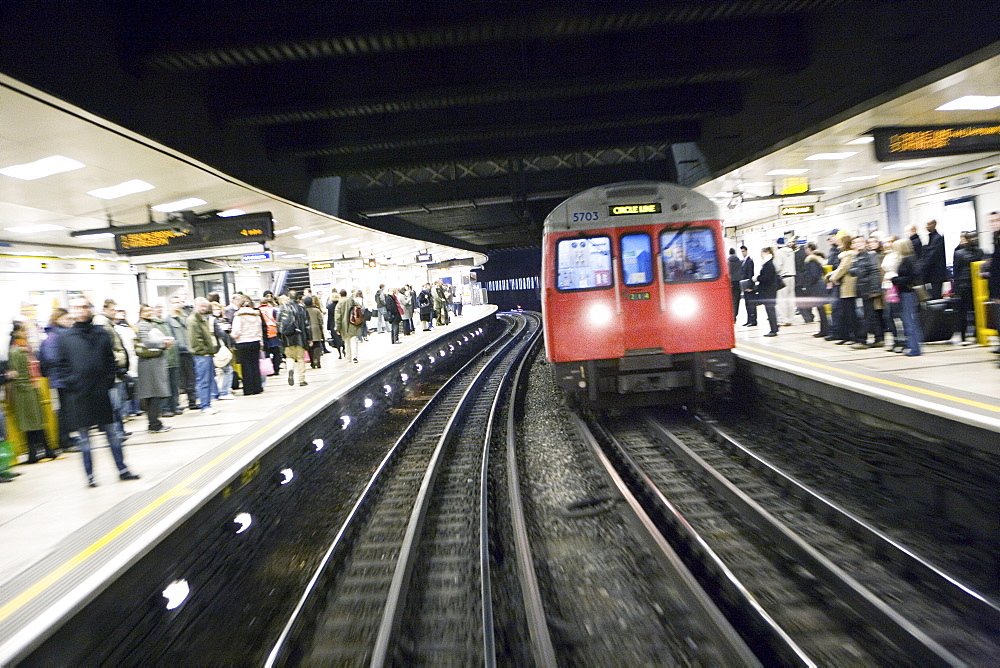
(231, 212)
(28, 229)
(971, 103)
(329, 238)
(280, 253)
(785, 172)
(911, 164)
(755, 184)
(288, 229)
(867, 139)
(170, 207)
(306, 235)
(344, 241)
(96, 235)
(289, 257)
(832, 156)
(122, 189)
(825, 188)
(54, 164)
(858, 178)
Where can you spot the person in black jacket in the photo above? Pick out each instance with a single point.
(867, 269)
(767, 289)
(967, 252)
(748, 295)
(933, 265)
(908, 275)
(735, 274)
(87, 361)
(293, 328)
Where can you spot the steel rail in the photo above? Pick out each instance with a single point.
(865, 604)
(396, 599)
(304, 610)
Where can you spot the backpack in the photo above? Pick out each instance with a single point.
(357, 315)
(286, 324)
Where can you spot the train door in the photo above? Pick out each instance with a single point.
(641, 317)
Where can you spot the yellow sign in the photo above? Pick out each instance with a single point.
(798, 210)
(632, 209)
(321, 265)
(794, 185)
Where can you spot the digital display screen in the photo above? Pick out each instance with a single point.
(583, 263)
(634, 209)
(249, 228)
(689, 255)
(638, 296)
(907, 143)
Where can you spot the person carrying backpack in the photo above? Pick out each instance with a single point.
(293, 332)
(349, 317)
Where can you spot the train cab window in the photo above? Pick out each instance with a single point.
(689, 255)
(583, 263)
(637, 259)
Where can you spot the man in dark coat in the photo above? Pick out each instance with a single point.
(87, 360)
(748, 295)
(933, 265)
(735, 273)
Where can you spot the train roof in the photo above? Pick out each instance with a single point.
(677, 204)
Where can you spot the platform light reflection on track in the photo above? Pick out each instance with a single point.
(318, 444)
(243, 521)
(176, 593)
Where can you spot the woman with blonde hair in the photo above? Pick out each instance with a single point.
(908, 275)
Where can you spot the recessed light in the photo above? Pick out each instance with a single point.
(867, 139)
(170, 207)
(228, 213)
(858, 178)
(832, 156)
(345, 241)
(122, 189)
(29, 229)
(288, 229)
(329, 238)
(910, 164)
(971, 103)
(54, 164)
(785, 172)
(306, 235)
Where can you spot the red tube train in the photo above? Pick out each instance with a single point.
(636, 299)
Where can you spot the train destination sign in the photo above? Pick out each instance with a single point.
(633, 209)
(202, 233)
(787, 210)
(928, 141)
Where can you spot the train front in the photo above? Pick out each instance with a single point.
(636, 296)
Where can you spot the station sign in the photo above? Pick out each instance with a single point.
(634, 209)
(200, 233)
(424, 257)
(266, 256)
(316, 266)
(794, 210)
(929, 141)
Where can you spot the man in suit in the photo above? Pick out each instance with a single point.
(735, 273)
(748, 295)
(933, 265)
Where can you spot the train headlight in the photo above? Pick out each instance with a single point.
(684, 306)
(599, 314)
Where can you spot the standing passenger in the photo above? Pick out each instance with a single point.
(968, 251)
(749, 301)
(152, 380)
(345, 328)
(815, 289)
(393, 314)
(909, 275)
(86, 354)
(202, 351)
(315, 330)
(248, 333)
(933, 265)
(22, 390)
(784, 266)
(59, 323)
(292, 329)
(767, 289)
(735, 271)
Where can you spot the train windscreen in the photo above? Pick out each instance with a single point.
(583, 263)
(689, 255)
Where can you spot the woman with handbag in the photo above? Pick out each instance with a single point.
(908, 275)
(893, 305)
(153, 380)
(247, 333)
(222, 360)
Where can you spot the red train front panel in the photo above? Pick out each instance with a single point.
(650, 289)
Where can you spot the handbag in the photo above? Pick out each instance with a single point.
(992, 315)
(266, 366)
(146, 353)
(892, 294)
(222, 357)
(921, 292)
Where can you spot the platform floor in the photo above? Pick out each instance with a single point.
(965, 377)
(50, 500)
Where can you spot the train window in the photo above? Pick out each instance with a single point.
(689, 255)
(583, 263)
(637, 259)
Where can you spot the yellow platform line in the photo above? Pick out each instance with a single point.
(182, 489)
(890, 383)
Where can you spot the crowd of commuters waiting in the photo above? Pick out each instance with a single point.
(874, 286)
(102, 370)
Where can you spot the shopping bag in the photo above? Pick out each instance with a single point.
(266, 367)
(306, 356)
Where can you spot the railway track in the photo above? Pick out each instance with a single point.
(839, 592)
(406, 560)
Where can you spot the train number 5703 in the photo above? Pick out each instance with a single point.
(584, 216)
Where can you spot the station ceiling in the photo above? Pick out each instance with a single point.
(465, 122)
